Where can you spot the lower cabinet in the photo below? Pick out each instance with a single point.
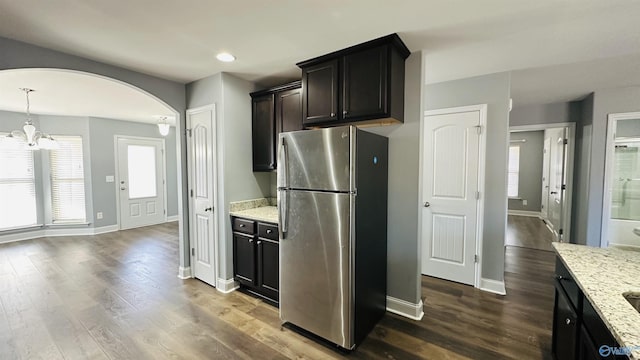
(256, 261)
(578, 331)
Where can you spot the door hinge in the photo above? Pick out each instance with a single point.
(191, 192)
(564, 187)
(477, 195)
(565, 141)
(193, 251)
(164, 212)
(476, 258)
(187, 132)
(478, 129)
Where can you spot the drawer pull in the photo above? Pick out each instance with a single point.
(241, 225)
(269, 231)
(568, 321)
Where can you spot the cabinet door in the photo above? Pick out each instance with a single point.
(268, 267)
(565, 328)
(320, 93)
(587, 349)
(364, 84)
(288, 111)
(263, 133)
(244, 259)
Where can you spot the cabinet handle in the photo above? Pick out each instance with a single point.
(344, 112)
(250, 241)
(259, 242)
(241, 225)
(333, 114)
(269, 231)
(568, 321)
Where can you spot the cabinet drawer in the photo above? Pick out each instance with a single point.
(244, 226)
(568, 284)
(268, 231)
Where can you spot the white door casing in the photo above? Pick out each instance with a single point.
(546, 152)
(201, 160)
(140, 181)
(452, 178)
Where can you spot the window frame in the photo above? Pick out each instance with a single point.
(511, 172)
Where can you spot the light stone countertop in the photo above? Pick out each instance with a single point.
(603, 276)
(255, 209)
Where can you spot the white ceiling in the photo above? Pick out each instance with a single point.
(178, 40)
(61, 92)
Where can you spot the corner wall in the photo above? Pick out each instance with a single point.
(493, 90)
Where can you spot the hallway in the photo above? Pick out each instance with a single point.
(528, 232)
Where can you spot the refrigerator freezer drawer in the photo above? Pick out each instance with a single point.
(316, 265)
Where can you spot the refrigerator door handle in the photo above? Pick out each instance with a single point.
(284, 163)
(284, 212)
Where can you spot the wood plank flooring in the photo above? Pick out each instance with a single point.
(529, 232)
(116, 296)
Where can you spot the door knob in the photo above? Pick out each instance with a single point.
(554, 192)
(208, 209)
(426, 204)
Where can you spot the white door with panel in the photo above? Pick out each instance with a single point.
(450, 183)
(201, 144)
(140, 181)
(557, 173)
(546, 152)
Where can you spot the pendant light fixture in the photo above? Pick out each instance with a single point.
(29, 136)
(163, 126)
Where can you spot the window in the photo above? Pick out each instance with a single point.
(514, 171)
(17, 187)
(141, 162)
(67, 181)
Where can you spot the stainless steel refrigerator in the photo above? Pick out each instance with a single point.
(332, 203)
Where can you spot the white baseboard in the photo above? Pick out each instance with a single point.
(184, 272)
(525, 213)
(405, 308)
(493, 286)
(172, 218)
(56, 232)
(227, 286)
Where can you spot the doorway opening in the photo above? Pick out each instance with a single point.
(621, 205)
(540, 183)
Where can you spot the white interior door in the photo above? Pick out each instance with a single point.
(546, 152)
(202, 172)
(141, 181)
(450, 216)
(557, 166)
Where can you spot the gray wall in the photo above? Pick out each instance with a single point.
(493, 90)
(540, 114)
(236, 180)
(605, 102)
(403, 266)
(530, 179)
(99, 158)
(17, 55)
(582, 166)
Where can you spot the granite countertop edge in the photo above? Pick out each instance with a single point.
(616, 313)
(263, 213)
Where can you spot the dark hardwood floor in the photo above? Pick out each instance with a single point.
(116, 296)
(529, 232)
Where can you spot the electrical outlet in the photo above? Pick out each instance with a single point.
(524, 202)
(99, 215)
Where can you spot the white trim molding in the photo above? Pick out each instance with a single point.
(525, 213)
(493, 286)
(57, 232)
(173, 218)
(184, 273)
(405, 308)
(227, 286)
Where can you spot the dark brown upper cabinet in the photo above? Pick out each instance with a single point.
(363, 83)
(274, 110)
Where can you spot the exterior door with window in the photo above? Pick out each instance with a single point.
(450, 183)
(140, 181)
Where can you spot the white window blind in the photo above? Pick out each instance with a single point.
(514, 171)
(17, 187)
(67, 181)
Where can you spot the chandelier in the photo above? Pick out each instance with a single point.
(29, 136)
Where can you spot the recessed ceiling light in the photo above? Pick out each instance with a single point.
(225, 57)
